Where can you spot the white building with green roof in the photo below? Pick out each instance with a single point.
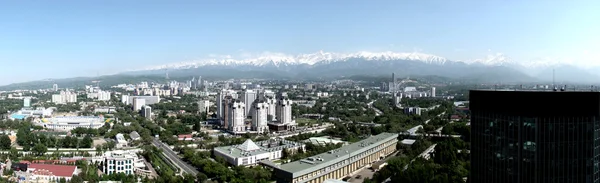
(251, 153)
(339, 163)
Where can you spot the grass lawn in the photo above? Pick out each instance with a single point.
(305, 121)
(161, 166)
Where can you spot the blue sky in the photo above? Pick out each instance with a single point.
(58, 39)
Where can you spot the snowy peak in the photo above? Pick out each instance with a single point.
(497, 59)
(279, 59)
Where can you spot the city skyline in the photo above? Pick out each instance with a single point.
(62, 39)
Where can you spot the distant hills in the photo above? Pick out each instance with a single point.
(324, 65)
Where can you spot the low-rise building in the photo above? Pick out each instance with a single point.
(134, 135)
(51, 173)
(412, 110)
(121, 141)
(118, 162)
(107, 110)
(250, 153)
(339, 163)
(185, 137)
(68, 123)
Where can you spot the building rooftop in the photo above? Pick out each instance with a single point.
(134, 135)
(408, 141)
(320, 161)
(56, 170)
(250, 148)
(120, 138)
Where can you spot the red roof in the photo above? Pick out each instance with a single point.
(185, 136)
(56, 170)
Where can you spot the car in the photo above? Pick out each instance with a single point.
(358, 176)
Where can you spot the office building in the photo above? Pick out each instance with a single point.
(259, 117)
(55, 87)
(26, 102)
(338, 163)
(146, 112)
(534, 136)
(248, 98)
(251, 153)
(118, 162)
(236, 117)
(138, 103)
(149, 100)
(432, 91)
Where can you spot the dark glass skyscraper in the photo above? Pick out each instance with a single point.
(534, 136)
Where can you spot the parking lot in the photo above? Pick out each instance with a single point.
(364, 173)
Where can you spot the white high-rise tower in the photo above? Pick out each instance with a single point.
(284, 111)
(272, 111)
(236, 116)
(259, 117)
(432, 91)
(248, 97)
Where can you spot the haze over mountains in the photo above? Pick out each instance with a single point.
(493, 68)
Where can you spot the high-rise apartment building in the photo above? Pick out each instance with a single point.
(284, 111)
(534, 136)
(138, 103)
(259, 117)
(64, 97)
(203, 106)
(432, 91)
(249, 97)
(225, 111)
(55, 87)
(236, 116)
(146, 112)
(272, 108)
(26, 102)
(103, 95)
(221, 106)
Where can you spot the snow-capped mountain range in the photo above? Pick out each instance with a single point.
(493, 67)
(497, 59)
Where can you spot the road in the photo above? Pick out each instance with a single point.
(187, 168)
(377, 111)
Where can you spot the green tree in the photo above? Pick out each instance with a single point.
(5, 142)
(87, 142)
(197, 126)
(39, 149)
